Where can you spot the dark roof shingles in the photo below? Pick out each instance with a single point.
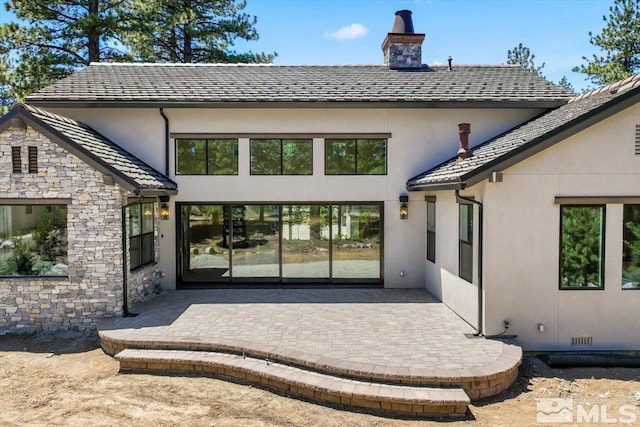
(107, 152)
(209, 83)
(453, 171)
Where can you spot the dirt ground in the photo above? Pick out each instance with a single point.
(67, 380)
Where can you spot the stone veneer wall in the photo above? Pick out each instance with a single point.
(93, 289)
(403, 55)
(144, 281)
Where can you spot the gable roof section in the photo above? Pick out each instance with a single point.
(93, 148)
(255, 85)
(529, 138)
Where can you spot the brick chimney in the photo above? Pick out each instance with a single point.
(464, 152)
(403, 47)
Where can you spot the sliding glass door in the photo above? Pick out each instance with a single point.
(305, 241)
(205, 243)
(356, 241)
(256, 241)
(283, 243)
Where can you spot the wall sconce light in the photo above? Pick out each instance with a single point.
(164, 207)
(404, 207)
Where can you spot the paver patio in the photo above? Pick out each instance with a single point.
(379, 335)
(384, 327)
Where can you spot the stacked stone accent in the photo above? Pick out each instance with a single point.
(93, 289)
(144, 281)
(403, 51)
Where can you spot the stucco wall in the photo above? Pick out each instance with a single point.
(93, 287)
(442, 277)
(522, 242)
(420, 139)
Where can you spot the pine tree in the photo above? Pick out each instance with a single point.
(522, 55)
(564, 83)
(191, 31)
(54, 38)
(620, 42)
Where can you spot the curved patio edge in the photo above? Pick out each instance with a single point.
(478, 382)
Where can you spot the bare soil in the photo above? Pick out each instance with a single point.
(67, 380)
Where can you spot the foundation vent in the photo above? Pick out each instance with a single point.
(581, 341)
(637, 140)
(16, 160)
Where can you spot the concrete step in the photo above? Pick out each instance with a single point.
(391, 399)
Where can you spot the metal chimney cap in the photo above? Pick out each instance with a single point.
(403, 24)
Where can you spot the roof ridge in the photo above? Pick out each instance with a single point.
(616, 88)
(243, 64)
(476, 65)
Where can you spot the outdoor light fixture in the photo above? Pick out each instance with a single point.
(404, 207)
(164, 207)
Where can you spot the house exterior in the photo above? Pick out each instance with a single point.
(63, 187)
(176, 175)
(555, 242)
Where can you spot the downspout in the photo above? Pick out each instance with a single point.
(459, 199)
(166, 141)
(125, 267)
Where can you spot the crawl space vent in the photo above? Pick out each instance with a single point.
(581, 341)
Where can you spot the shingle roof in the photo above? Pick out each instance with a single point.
(531, 137)
(210, 84)
(95, 149)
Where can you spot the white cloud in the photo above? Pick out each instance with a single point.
(350, 32)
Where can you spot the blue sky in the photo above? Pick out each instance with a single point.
(470, 31)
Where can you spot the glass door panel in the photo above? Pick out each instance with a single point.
(205, 243)
(280, 243)
(256, 241)
(356, 241)
(305, 241)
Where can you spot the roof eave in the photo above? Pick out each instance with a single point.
(460, 104)
(552, 137)
(154, 192)
(436, 186)
(37, 124)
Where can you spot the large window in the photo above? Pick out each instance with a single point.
(316, 243)
(207, 156)
(465, 248)
(581, 247)
(281, 156)
(431, 229)
(141, 240)
(631, 247)
(355, 157)
(33, 240)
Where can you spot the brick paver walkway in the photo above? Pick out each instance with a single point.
(399, 329)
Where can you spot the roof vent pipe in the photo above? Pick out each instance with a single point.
(464, 152)
(450, 60)
(403, 23)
